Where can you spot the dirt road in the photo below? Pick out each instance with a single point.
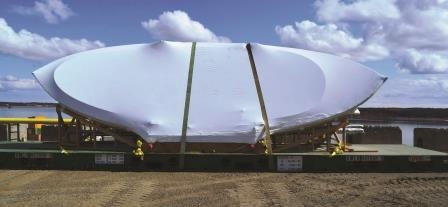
(82, 188)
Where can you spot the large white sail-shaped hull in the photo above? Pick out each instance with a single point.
(143, 88)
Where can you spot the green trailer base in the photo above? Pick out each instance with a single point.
(366, 158)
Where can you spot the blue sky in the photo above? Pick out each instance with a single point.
(406, 40)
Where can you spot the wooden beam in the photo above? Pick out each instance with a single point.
(264, 114)
(260, 99)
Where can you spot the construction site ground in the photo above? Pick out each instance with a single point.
(105, 188)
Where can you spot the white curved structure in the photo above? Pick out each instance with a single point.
(142, 88)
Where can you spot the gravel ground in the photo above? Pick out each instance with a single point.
(87, 188)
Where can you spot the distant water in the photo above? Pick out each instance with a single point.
(28, 111)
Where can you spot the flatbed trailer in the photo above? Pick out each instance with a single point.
(76, 146)
(364, 158)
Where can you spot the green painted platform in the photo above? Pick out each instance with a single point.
(383, 150)
(394, 150)
(365, 158)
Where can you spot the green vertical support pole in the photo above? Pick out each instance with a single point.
(183, 138)
(18, 132)
(344, 136)
(60, 124)
(8, 138)
(267, 137)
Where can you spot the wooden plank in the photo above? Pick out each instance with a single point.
(260, 99)
(267, 137)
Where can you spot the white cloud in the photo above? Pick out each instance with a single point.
(415, 91)
(30, 45)
(336, 11)
(424, 25)
(412, 32)
(53, 11)
(329, 38)
(417, 62)
(178, 26)
(10, 82)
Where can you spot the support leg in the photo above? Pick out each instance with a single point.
(8, 138)
(18, 132)
(344, 136)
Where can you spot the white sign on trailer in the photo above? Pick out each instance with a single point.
(289, 163)
(115, 159)
(100, 159)
(111, 159)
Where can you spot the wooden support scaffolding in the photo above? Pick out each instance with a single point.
(79, 120)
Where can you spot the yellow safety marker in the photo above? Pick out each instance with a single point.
(339, 149)
(138, 152)
(266, 151)
(63, 151)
